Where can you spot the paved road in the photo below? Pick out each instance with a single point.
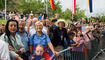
(100, 56)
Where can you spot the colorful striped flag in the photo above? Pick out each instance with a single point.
(52, 4)
(90, 6)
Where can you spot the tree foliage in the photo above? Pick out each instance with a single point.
(37, 6)
(2, 3)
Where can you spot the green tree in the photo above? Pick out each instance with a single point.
(33, 5)
(79, 13)
(2, 3)
(67, 14)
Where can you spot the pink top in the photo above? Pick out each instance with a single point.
(81, 47)
(88, 40)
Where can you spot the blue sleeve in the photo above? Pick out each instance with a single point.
(31, 40)
(74, 42)
(39, 17)
(48, 39)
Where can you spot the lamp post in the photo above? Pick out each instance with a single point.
(5, 9)
(46, 6)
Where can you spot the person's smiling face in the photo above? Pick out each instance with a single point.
(12, 27)
(38, 27)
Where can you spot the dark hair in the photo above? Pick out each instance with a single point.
(7, 30)
(63, 23)
(71, 33)
(54, 20)
(75, 28)
(72, 25)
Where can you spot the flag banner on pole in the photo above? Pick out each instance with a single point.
(52, 4)
(48, 55)
(74, 10)
(90, 6)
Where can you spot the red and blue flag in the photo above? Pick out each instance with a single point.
(48, 55)
(36, 57)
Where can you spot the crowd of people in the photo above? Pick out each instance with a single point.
(24, 36)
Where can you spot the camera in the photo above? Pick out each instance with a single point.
(81, 35)
(98, 32)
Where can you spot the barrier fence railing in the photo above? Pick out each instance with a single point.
(98, 46)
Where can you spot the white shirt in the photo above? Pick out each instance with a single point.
(32, 30)
(4, 51)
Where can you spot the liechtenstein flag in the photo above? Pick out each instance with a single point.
(90, 6)
(48, 55)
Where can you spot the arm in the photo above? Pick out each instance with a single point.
(74, 44)
(50, 44)
(30, 49)
(81, 42)
(51, 47)
(15, 56)
(30, 43)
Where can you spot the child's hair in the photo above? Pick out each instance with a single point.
(71, 33)
(39, 45)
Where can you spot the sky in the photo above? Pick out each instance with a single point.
(98, 6)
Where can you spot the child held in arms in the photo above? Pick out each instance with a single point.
(39, 50)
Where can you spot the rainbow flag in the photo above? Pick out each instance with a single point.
(90, 6)
(52, 4)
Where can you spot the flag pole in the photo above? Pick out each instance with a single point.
(72, 9)
(5, 9)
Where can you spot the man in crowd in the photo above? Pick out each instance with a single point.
(24, 36)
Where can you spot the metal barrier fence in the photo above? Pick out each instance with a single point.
(97, 48)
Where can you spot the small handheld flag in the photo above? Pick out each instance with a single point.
(48, 55)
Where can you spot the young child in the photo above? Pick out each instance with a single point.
(39, 50)
(71, 42)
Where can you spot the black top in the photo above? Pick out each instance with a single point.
(59, 36)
